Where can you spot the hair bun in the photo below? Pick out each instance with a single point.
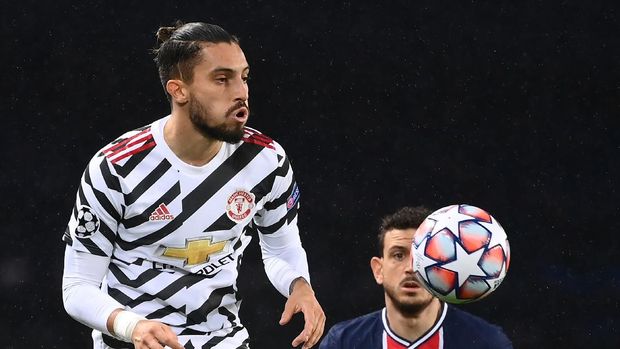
(164, 33)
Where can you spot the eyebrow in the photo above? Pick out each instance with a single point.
(397, 248)
(228, 70)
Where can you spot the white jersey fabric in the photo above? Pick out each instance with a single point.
(175, 233)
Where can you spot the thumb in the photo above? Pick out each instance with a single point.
(287, 314)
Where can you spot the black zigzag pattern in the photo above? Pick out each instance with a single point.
(185, 281)
(194, 200)
(219, 339)
(147, 182)
(215, 299)
(288, 217)
(88, 242)
(111, 181)
(143, 217)
(282, 199)
(101, 197)
(259, 191)
(132, 163)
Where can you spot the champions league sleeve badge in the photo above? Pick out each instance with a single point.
(293, 198)
(87, 222)
(239, 205)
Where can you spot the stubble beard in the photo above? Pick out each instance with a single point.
(408, 307)
(198, 116)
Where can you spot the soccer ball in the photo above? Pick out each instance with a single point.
(460, 253)
(88, 223)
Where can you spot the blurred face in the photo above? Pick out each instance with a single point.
(394, 271)
(218, 93)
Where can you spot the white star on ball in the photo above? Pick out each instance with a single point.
(498, 235)
(449, 220)
(465, 264)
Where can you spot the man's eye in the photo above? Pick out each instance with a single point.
(245, 78)
(399, 255)
(221, 80)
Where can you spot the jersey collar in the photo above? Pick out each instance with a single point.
(423, 338)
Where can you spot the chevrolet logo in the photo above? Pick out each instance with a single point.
(195, 251)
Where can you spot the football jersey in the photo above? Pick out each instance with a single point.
(454, 328)
(176, 233)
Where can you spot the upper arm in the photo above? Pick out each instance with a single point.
(276, 222)
(97, 210)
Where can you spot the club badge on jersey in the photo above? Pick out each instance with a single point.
(239, 205)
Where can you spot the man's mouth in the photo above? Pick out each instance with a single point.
(241, 114)
(413, 284)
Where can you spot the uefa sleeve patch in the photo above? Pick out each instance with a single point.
(293, 198)
(87, 222)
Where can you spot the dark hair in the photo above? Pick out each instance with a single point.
(180, 48)
(404, 218)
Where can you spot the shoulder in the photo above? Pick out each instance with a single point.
(254, 136)
(271, 153)
(356, 330)
(482, 334)
(103, 167)
(360, 321)
(129, 144)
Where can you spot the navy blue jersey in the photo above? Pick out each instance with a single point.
(454, 329)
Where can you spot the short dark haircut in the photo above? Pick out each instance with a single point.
(404, 218)
(179, 49)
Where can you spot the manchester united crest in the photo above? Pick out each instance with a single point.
(239, 205)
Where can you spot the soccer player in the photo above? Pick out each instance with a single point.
(164, 213)
(412, 317)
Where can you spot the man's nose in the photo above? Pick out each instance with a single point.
(241, 90)
(409, 266)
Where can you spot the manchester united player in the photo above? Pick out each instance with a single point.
(164, 213)
(412, 317)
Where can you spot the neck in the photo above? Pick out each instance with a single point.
(187, 143)
(413, 326)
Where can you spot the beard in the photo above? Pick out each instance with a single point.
(222, 132)
(406, 305)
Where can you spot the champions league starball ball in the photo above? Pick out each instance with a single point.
(460, 253)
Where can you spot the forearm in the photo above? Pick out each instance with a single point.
(82, 297)
(285, 264)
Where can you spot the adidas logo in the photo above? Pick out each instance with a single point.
(161, 214)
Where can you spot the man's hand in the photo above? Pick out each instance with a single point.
(154, 335)
(144, 334)
(302, 299)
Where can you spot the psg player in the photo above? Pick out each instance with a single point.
(412, 317)
(164, 213)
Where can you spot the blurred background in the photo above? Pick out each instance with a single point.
(509, 106)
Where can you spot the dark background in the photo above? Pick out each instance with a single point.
(509, 106)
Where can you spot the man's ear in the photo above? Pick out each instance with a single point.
(178, 91)
(376, 264)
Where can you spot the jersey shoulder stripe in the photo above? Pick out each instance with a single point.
(253, 136)
(134, 143)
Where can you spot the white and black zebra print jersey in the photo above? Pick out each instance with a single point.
(175, 232)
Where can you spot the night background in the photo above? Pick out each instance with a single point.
(508, 106)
